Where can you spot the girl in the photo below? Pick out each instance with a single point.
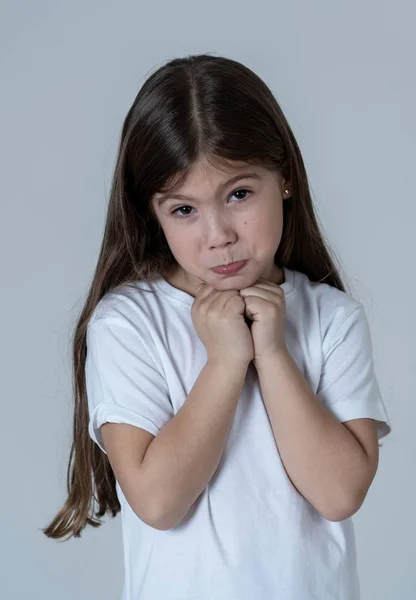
(232, 415)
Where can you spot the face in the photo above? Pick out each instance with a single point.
(218, 221)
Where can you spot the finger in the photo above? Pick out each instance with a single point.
(271, 288)
(202, 287)
(203, 291)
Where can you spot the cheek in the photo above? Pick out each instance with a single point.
(180, 243)
(261, 226)
(264, 231)
(175, 241)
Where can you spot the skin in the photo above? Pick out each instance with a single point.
(332, 464)
(222, 226)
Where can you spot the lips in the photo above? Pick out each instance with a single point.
(231, 268)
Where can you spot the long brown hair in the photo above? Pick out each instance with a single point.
(192, 107)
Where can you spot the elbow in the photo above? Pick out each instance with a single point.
(340, 515)
(161, 513)
(344, 510)
(150, 509)
(153, 519)
(150, 515)
(159, 519)
(348, 502)
(163, 523)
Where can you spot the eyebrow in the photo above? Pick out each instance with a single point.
(170, 196)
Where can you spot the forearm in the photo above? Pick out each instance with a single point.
(183, 457)
(323, 459)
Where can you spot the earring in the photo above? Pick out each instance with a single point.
(286, 191)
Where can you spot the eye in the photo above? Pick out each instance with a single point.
(182, 216)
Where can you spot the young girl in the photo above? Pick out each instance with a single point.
(232, 415)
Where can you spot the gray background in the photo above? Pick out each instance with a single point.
(343, 73)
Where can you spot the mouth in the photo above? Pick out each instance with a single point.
(230, 269)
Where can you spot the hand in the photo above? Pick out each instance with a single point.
(218, 318)
(266, 307)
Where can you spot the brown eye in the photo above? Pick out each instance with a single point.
(180, 208)
(182, 216)
(240, 190)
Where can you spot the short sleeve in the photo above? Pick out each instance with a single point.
(348, 384)
(123, 383)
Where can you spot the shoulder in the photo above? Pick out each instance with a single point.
(127, 304)
(331, 306)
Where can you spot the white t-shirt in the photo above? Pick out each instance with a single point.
(250, 534)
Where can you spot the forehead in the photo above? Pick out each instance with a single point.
(214, 168)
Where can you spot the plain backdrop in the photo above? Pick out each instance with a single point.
(344, 75)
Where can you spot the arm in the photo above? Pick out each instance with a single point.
(324, 461)
(183, 457)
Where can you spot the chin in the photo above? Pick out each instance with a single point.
(234, 282)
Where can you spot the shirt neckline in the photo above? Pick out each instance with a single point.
(166, 288)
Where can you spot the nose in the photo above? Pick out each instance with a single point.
(220, 232)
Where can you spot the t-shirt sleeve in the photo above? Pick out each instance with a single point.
(123, 383)
(348, 384)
